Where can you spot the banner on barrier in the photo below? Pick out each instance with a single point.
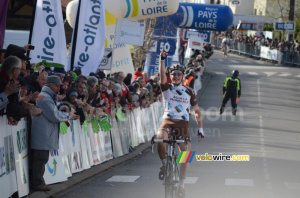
(48, 35)
(19, 134)
(54, 169)
(266, 53)
(98, 148)
(8, 180)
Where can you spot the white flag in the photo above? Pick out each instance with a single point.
(48, 35)
(88, 42)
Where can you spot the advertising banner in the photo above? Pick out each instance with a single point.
(130, 32)
(107, 59)
(141, 9)
(48, 34)
(55, 169)
(122, 60)
(205, 17)
(196, 43)
(204, 35)
(88, 40)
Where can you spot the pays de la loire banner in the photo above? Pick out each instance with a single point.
(141, 9)
(48, 35)
(88, 41)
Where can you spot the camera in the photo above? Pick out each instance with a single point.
(31, 47)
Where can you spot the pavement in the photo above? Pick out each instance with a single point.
(85, 176)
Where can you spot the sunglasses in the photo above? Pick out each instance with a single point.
(176, 74)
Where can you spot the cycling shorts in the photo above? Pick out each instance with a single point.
(180, 126)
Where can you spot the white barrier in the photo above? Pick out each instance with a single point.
(79, 149)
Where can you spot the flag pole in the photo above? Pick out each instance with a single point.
(74, 37)
(32, 24)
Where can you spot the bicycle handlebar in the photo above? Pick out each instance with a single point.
(168, 141)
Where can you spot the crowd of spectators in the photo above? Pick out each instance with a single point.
(96, 94)
(252, 44)
(46, 96)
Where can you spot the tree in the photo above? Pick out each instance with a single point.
(155, 30)
(280, 9)
(140, 52)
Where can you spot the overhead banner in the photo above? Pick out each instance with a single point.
(141, 9)
(3, 12)
(88, 41)
(208, 17)
(130, 32)
(48, 35)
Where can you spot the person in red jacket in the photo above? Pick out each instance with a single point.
(137, 73)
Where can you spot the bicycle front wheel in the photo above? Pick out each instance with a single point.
(170, 189)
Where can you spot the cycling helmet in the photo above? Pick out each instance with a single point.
(235, 73)
(176, 67)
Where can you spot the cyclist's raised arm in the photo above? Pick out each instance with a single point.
(198, 118)
(162, 68)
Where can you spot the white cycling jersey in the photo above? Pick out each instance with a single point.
(177, 101)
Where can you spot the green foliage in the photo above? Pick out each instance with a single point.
(268, 27)
(297, 29)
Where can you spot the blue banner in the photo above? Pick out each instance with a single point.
(169, 44)
(203, 17)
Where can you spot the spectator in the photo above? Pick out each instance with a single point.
(60, 72)
(92, 87)
(78, 72)
(45, 131)
(127, 79)
(11, 69)
(100, 74)
(137, 73)
(141, 82)
(38, 84)
(119, 78)
(189, 79)
(2, 53)
(9, 89)
(110, 87)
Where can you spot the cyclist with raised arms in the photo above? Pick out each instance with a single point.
(178, 101)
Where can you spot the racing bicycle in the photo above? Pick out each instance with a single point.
(171, 173)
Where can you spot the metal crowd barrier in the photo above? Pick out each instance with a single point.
(240, 48)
